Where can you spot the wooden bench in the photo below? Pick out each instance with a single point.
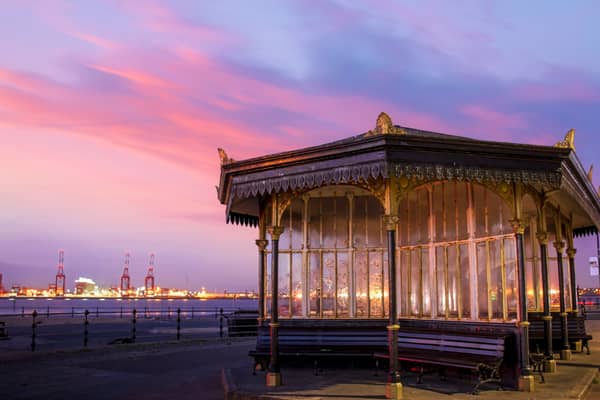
(481, 354)
(575, 330)
(316, 344)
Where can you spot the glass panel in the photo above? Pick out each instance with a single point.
(284, 285)
(386, 284)
(328, 219)
(314, 262)
(438, 211)
(495, 214)
(314, 223)
(495, 291)
(361, 279)
(450, 210)
(341, 223)
(462, 190)
(405, 283)
(423, 218)
(426, 279)
(268, 285)
(403, 223)
(554, 287)
(285, 238)
(480, 208)
(483, 290)
(297, 285)
(297, 225)
(375, 284)
(567, 283)
(328, 289)
(343, 283)
(453, 288)
(415, 282)
(374, 227)
(440, 260)
(413, 227)
(359, 222)
(465, 281)
(512, 288)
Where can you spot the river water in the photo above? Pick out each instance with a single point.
(19, 306)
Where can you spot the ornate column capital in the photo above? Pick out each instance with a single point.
(390, 221)
(571, 252)
(262, 244)
(559, 246)
(542, 237)
(518, 226)
(275, 232)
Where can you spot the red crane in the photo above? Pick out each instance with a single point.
(149, 281)
(125, 280)
(60, 275)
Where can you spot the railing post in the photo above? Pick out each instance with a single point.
(133, 327)
(85, 328)
(22, 311)
(97, 312)
(221, 324)
(48, 312)
(192, 312)
(33, 326)
(121, 312)
(72, 312)
(178, 322)
(146, 312)
(169, 312)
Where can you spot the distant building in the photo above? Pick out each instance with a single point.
(85, 286)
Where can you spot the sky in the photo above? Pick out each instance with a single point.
(111, 112)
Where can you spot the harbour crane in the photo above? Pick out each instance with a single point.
(149, 281)
(60, 275)
(125, 279)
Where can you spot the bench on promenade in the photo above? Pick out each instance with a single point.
(434, 350)
(575, 330)
(314, 344)
(242, 323)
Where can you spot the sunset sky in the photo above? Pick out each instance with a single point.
(111, 112)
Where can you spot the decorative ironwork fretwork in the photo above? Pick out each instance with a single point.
(568, 142)
(366, 173)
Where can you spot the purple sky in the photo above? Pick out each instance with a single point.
(111, 112)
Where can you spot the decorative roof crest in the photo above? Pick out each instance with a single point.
(385, 126)
(569, 141)
(224, 158)
(590, 172)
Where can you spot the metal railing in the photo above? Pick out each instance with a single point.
(106, 326)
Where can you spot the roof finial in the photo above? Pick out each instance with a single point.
(224, 158)
(569, 141)
(590, 172)
(385, 126)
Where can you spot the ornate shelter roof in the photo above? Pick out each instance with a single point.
(395, 151)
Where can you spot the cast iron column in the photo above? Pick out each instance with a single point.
(262, 245)
(574, 300)
(543, 239)
(565, 351)
(394, 386)
(273, 372)
(524, 323)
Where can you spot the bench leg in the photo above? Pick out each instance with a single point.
(487, 374)
(585, 344)
(420, 377)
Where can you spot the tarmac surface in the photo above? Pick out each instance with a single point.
(221, 368)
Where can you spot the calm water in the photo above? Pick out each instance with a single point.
(69, 306)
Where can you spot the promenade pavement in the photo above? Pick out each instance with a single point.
(221, 368)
